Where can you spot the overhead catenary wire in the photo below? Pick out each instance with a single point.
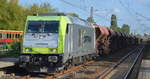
(75, 6)
(84, 10)
(84, 4)
(131, 12)
(139, 14)
(145, 18)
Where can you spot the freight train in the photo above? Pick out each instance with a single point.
(56, 41)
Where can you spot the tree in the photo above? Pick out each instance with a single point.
(138, 35)
(114, 23)
(13, 1)
(43, 8)
(10, 13)
(125, 28)
(115, 28)
(13, 15)
(113, 20)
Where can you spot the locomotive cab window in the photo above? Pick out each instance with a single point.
(43, 26)
(51, 26)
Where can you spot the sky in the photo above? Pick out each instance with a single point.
(135, 13)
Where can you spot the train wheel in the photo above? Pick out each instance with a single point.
(72, 62)
(66, 66)
(58, 71)
(90, 58)
(101, 53)
(83, 59)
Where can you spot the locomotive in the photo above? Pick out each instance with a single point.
(55, 41)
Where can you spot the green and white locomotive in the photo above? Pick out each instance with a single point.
(53, 42)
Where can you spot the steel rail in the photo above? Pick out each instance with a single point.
(108, 70)
(132, 66)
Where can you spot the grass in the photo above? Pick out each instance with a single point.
(9, 54)
(13, 50)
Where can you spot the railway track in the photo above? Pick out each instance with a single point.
(122, 69)
(99, 68)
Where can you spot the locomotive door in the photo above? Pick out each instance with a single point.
(68, 43)
(73, 40)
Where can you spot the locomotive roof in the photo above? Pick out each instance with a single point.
(50, 14)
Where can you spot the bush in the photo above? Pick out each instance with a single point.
(14, 50)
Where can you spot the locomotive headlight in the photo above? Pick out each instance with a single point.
(53, 50)
(28, 49)
(24, 58)
(40, 37)
(52, 59)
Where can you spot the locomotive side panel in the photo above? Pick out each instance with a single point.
(80, 41)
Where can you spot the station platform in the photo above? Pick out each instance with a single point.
(6, 62)
(144, 72)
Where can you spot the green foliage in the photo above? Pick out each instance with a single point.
(114, 23)
(11, 50)
(15, 47)
(125, 28)
(43, 8)
(115, 28)
(113, 20)
(13, 15)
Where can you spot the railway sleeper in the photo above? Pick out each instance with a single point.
(74, 62)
